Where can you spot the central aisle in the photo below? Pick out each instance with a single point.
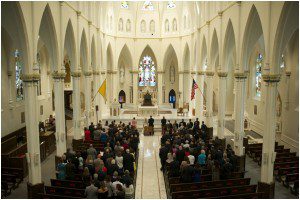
(150, 182)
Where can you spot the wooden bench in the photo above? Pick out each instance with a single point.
(290, 178)
(10, 179)
(176, 180)
(257, 195)
(18, 172)
(54, 196)
(209, 184)
(67, 183)
(77, 177)
(285, 171)
(6, 188)
(286, 165)
(214, 192)
(71, 192)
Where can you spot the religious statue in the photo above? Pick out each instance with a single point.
(174, 25)
(167, 26)
(120, 25)
(152, 26)
(128, 26)
(143, 26)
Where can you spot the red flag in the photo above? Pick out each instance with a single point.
(194, 87)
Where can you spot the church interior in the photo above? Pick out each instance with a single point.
(149, 99)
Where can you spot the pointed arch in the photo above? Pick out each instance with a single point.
(109, 58)
(169, 55)
(186, 57)
(83, 51)
(69, 46)
(214, 49)
(14, 24)
(125, 56)
(47, 35)
(288, 24)
(229, 49)
(203, 57)
(93, 54)
(253, 34)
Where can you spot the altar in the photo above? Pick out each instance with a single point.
(146, 111)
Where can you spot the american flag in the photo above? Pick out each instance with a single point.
(194, 87)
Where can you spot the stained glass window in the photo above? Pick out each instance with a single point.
(19, 82)
(258, 77)
(282, 65)
(171, 5)
(148, 6)
(147, 72)
(124, 4)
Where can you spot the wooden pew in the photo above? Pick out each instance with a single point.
(214, 192)
(290, 178)
(257, 195)
(6, 188)
(78, 177)
(10, 179)
(285, 171)
(67, 183)
(176, 180)
(71, 192)
(286, 165)
(208, 184)
(18, 172)
(54, 196)
(286, 159)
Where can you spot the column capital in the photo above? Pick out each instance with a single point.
(76, 73)
(220, 13)
(180, 72)
(200, 72)
(161, 72)
(193, 72)
(90, 23)
(210, 73)
(96, 72)
(240, 75)
(288, 73)
(134, 71)
(271, 78)
(88, 73)
(222, 74)
(78, 13)
(58, 75)
(102, 72)
(207, 23)
(112, 72)
(9, 73)
(30, 77)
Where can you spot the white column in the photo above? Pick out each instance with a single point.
(159, 87)
(96, 102)
(239, 114)
(287, 96)
(9, 73)
(60, 134)
(115, 83)
(76, 105)
(268, 154)
(135, 87)
(181, 89)
(199, 96)
(31, 117)
(209, 99)
(87, 88)
(222, 103)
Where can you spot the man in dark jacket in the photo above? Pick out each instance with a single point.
(187, 174)
(180, 154)
(128, 160)
(163, 154)
(151, 124)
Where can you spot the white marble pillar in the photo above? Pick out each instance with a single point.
(209, 99)
(268, 154)
(96, 102)
(59, 101)
(287, 95)
(9, 74)
(159, 87)
(76, 105)
(222, 103)
(239, 114)
(199, 95)
(181, 89)
(115, 83)
(135, 87)
(32, 128)
(87, 88)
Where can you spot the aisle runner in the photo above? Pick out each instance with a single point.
(150, 182)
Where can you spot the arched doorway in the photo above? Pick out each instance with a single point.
(122, 97)
(172, 98)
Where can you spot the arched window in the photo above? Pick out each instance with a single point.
(147, 72)
(174, 24)
(19, 82)
(124, 4)
(258, 77)
(143, 26)
(282, 64)
(152, 26)
(128, 26)
(184, 22)
(171, 5)
(120, 24)
(148, 6)
(167, 28)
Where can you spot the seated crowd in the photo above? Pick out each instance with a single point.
(186, 151)
(108, 172)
